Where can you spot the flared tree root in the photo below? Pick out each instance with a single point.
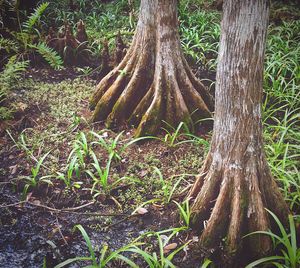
(231, 197)
(153, 82)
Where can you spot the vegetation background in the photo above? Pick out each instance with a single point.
(58, 170)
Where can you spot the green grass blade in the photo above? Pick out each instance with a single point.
(263, 260)
(88, 243)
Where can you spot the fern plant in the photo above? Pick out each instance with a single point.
(49, 54)
(12, 72)
(8, 45)
(34, 18)
(23, 42)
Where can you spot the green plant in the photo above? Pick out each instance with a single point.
(105, 256)
(173, 136)
(34, 18)
(49, 54)
(206, 263)
(24, 41)
(79, 156)
(102, 174)
(160, 260)
(166, 185)
(184, 211)
(68, 179)
(114, 147)
(33, 180)
(85, 70)
(6, 113)
(22, 145)
(199, 141)
(110, 146)
(200, 32)
(287, 241)
(12, 71)
(281, 107)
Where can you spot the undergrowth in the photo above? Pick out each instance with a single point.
(101, 164)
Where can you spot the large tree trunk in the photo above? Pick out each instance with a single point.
(235, 184)
(153, 82)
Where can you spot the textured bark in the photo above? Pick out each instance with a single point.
(71, 49)
(235, 184)
(120, 48)
(81, 34)
(153, 82)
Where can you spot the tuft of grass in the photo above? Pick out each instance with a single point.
(105, 256)
(290, 257)
(34, 179)
(160, 260)
(281, 110)
(184, 211)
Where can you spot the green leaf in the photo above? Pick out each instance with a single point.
(206, 263)
(88, 243)
(69, 261)
(49, 54)
(263, 260)
(35, 17)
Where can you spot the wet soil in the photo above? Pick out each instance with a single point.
(36, 231)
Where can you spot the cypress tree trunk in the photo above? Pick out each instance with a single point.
(235, 185)
(153, 82)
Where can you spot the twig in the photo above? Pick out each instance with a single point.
(125, 219)
(13, 205)
(60, 232)
(63, 209)
(66, 210)
(5, 182)
(95, 214)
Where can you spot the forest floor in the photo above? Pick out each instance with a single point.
(52, 112)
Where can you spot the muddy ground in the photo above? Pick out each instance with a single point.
(51, 109)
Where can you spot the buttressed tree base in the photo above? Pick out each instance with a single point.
(235, 185)
(153, 82)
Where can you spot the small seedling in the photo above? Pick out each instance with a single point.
(160, 260)
(184, 211)
(105, 256)
(288, 241)
(34, 179)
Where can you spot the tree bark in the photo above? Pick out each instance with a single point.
(153, 82)
(235, 184)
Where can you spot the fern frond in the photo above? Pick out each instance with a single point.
(35, 17)
(13, 69)
(8, 45)
(50, 55)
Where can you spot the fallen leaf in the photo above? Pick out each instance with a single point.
(169, 247)
(21, 106)
(195, 239)
(36, 202)
(143, 173)
(13, 169)
(28, 196)
(142, 211)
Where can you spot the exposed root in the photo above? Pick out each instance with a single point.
(231, 201)
(153, 83)
(136, 94)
